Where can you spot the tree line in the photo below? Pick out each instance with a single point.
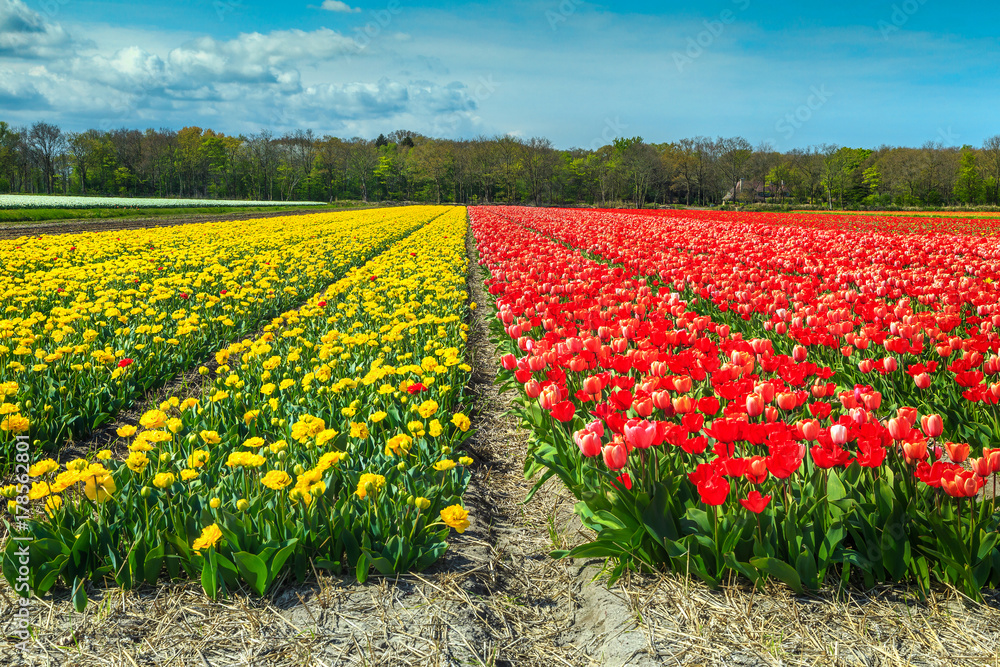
(408, 166)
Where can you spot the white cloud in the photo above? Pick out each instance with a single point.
(25, 34)
(338, 6)
(282, 80)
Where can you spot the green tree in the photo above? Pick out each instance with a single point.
(969, 186)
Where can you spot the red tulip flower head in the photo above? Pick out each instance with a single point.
(838, 434)
(957, 451)
(615, 456)
(549, 397)
(640, 434)
(899, 428)
(931, 425)
(755, 502)
(588, 442)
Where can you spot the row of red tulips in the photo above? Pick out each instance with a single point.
(711, 437)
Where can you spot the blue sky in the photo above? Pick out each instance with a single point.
(578, 73)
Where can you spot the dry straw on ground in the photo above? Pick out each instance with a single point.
(496, 598)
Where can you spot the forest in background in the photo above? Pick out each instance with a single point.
(407, 166)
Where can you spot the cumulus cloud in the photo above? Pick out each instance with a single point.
(338, 6)
(285, 79)
(25, 34)
(255, 57)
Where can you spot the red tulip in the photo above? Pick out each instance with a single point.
(932, 425)
(625, 480)
(549, 396)
(643, 406)
(961, 483)
(957, 451)
(588, 442)
(615, 456)
(714, 490)
(784, 460)
(786, 401)
(593, 385)
(980, 466)
(909, 414)
(755, 502)
(684, 404)
(563, 411)
(872, 401)
(682, 384)
(914, 451)
(662, 401)
(899, 428)
(765, 390)
(922, 380)
(640, 434)
(809, 428)
(755, 404)
(756, 470)
(708, 405)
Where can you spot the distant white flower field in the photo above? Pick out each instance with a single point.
(49, 201)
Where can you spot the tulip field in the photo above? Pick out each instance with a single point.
(328, 438)
(810, 399)
(787, 397)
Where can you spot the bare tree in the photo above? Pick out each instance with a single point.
(539, 167)
(47, 142)
(735, 153)
(362, 160)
